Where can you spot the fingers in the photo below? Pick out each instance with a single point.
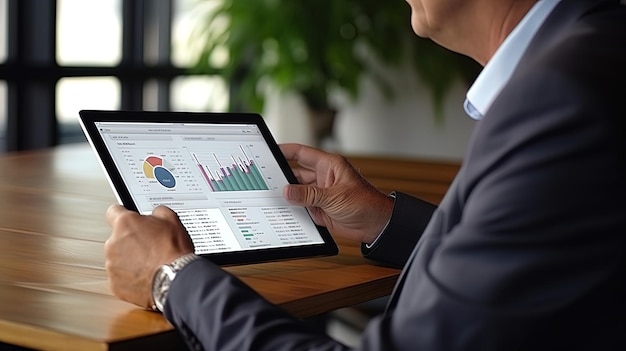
(305, 176)
(306, 156)
(115, 211)
(316, 166)
(290, 150)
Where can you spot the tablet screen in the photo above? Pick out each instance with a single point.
(223, 179)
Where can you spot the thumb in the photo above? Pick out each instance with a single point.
(304, 195)
(166, 213)
(113, 212)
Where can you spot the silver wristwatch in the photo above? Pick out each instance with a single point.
(163, 278)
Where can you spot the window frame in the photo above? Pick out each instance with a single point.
(32, 73)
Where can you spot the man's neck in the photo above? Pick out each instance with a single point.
(490, 30)
(502, 28)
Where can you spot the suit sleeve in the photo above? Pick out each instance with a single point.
(409, 218)
(213, 310)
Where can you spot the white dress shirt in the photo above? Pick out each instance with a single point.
(499, 69)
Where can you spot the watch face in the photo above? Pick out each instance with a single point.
(164, 276)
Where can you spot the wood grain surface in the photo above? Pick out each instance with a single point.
(54, 293)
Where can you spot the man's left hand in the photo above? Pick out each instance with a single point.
(138, 246)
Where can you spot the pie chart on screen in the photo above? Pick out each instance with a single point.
(155, 167)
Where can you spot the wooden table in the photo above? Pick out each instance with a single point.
(54, 293)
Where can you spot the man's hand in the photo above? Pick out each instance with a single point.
(138, 246)
(337, 196)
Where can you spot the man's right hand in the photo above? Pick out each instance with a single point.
(336, 194)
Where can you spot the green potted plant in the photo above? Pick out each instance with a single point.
(314, 46)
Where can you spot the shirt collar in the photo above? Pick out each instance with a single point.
(501, 66)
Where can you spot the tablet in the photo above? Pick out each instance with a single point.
(222, 173)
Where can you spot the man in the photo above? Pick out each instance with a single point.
(526, 251)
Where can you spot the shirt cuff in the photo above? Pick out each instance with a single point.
(369, 246)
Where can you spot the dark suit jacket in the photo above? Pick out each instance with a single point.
(527, 251)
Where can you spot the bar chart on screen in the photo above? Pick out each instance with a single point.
(232, 168)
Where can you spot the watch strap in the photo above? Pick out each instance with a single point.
(163, 278)
(183, 260)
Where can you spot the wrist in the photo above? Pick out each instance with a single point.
(385, 211)
(163, 278)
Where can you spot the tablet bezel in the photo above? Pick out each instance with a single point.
(88, 119)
